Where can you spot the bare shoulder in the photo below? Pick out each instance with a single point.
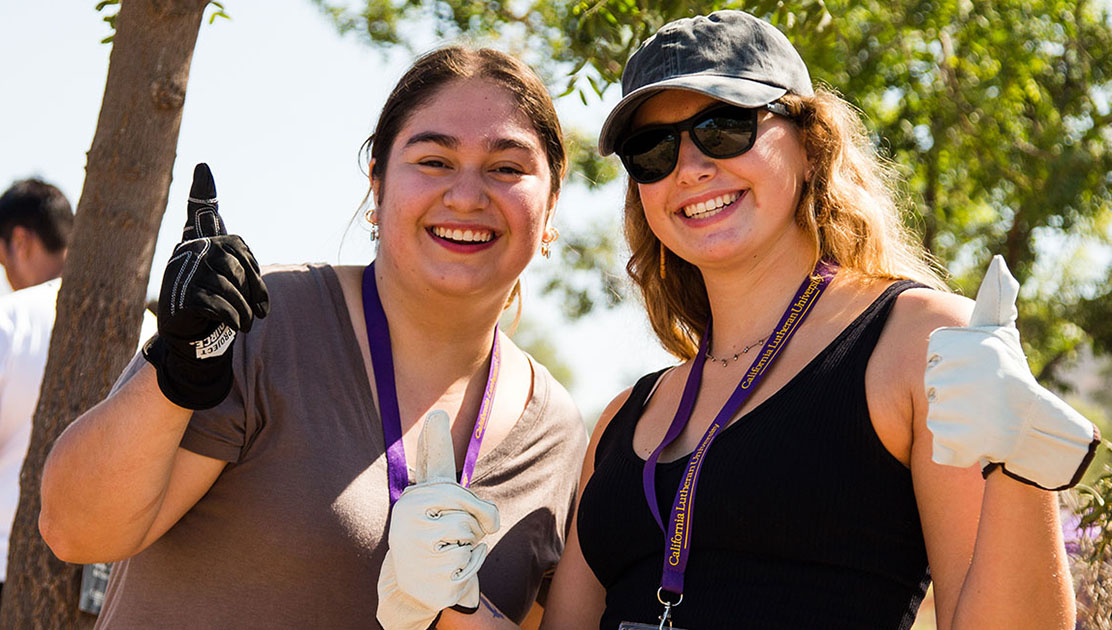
(917, 313)
(894, 378)
(600, 427)
(608, 414)
(922, 309)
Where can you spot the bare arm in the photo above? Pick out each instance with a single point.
(116, 479)
(995, 548)
(997, 556)
(575, 599)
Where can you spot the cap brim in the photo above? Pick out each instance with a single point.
(733, 90)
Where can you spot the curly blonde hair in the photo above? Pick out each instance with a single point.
(848, 209)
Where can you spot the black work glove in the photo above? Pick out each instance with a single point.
(211, 290)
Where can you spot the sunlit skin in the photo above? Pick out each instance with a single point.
(767, 180)
(27, 261)
(468, 160)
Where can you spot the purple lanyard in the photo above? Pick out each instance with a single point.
(677, 544)
(382, 362)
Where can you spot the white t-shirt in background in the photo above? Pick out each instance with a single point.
(26, 320)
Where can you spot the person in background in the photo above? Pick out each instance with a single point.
(842, 431)
(35, 225)
(250, 469)
(36, 222)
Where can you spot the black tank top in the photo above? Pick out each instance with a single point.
(802, 519)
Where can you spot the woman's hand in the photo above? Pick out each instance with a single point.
(985, 406)
(211, 289)
(436, 529)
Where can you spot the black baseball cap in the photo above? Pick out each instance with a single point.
(729, 55)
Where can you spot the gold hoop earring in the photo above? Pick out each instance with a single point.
(550, 236)
(663, 272)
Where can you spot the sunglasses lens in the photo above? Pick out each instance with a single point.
(726, 134)
(649, 155)
(720, 132)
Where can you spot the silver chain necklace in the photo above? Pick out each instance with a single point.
(726, 362)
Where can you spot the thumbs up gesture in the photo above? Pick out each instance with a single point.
(436, 529)
(211, 290)
(985, 406)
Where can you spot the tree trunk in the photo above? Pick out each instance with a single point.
(99, 309)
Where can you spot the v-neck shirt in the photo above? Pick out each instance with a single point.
(292, 533)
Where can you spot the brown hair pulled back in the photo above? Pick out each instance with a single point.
(434, 70)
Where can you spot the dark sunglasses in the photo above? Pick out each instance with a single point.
(720, 131)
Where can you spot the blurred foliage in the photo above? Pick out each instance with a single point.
(586, 274)
(998, 111)
(1094, 507)
(995, 110)
(531, 337)
(585, 165)
(1090, 556)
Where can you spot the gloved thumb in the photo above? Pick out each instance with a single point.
(203, 216)
(996, 298)
(436, 457)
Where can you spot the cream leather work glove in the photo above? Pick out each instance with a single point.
(986, 407)
(436, 529)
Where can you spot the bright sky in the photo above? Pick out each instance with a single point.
(278, 105)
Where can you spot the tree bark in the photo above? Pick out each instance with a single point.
(104, 282)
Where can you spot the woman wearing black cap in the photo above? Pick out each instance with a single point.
(806, 463)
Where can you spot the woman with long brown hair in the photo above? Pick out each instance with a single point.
(244, 473)
(816, 460)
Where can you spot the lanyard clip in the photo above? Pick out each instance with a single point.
(666, 617)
